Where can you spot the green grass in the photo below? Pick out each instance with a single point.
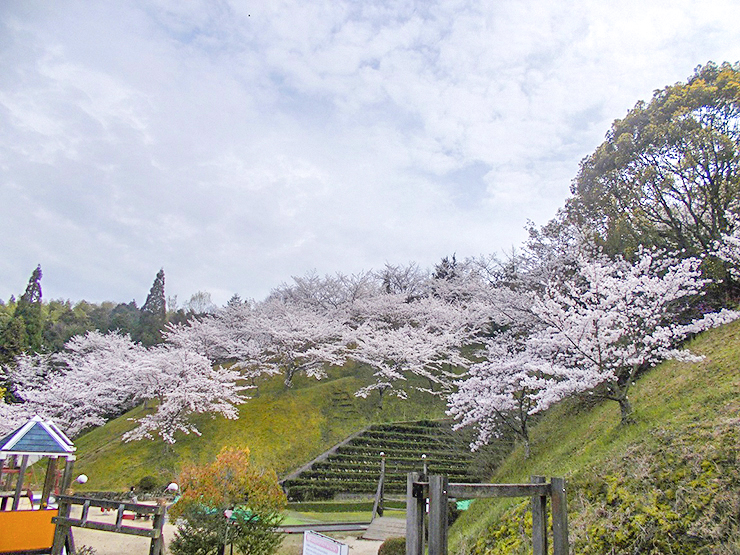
(666, 484)
(301, 517)
(283, 428)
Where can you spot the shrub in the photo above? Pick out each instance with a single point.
(228, 501)
(147, 484)
(393, 546)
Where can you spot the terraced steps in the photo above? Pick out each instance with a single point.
(353, 467)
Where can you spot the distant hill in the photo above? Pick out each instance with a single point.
(670, 483)
(284, 428)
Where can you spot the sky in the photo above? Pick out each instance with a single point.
(237, 144)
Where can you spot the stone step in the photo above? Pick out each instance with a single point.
(385, 527)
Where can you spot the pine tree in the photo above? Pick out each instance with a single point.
(29, 312)
(153, 313)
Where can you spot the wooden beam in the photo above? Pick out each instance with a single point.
(51, 471)
(156, 546)
(473, 491)
(106, 527)
(108, 504)
(67, 476)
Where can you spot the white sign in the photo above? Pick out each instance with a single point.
(318, 544)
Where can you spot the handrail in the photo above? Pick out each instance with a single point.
(64, 522)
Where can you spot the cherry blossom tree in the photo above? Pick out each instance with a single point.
(330, 293)
(294, 339)
(96, 378)
(101, 376)
(399, 339)
(613, 319)
(500, 393)
(185, 383)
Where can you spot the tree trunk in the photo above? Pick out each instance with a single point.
(626, 409)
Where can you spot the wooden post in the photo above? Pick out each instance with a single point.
(51, 471)
(4, 481)
(378, 504)
(19, 483)
(414, 516)
(156, 547)
(437, 515)
(559, 517)
(62, 531)
(539, 519)
(67, 476)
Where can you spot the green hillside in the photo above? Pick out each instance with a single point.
(670, 483)
(283, 428)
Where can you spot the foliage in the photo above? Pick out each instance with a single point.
(13, 340)
(28, 311)
(147, 484)
(153, 314)
(668, 173)
(228, 501)
(393, 546)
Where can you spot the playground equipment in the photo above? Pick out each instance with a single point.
(26, 526)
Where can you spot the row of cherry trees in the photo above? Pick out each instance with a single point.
(500, 341)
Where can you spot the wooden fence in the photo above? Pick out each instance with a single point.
(438, 491)
(64, 523)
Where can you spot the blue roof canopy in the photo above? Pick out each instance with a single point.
(37, 437)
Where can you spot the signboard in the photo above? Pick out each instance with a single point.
(318, 544)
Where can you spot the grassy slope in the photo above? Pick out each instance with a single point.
(283, 429)
(669, 483)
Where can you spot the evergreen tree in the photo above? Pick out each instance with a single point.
(13, 340)
(29, 312)
(124, 318)
(153, 313)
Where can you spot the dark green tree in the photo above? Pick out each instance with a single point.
(13, 340)
(124, 318)
(153, 313)
(29, 311)
(668, 174)
(63, 321)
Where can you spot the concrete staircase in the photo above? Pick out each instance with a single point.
(385, 527)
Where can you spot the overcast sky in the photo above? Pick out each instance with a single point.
(236, 144)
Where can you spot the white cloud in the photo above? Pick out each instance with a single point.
(236, 144)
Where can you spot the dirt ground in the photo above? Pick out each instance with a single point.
(108, 543)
